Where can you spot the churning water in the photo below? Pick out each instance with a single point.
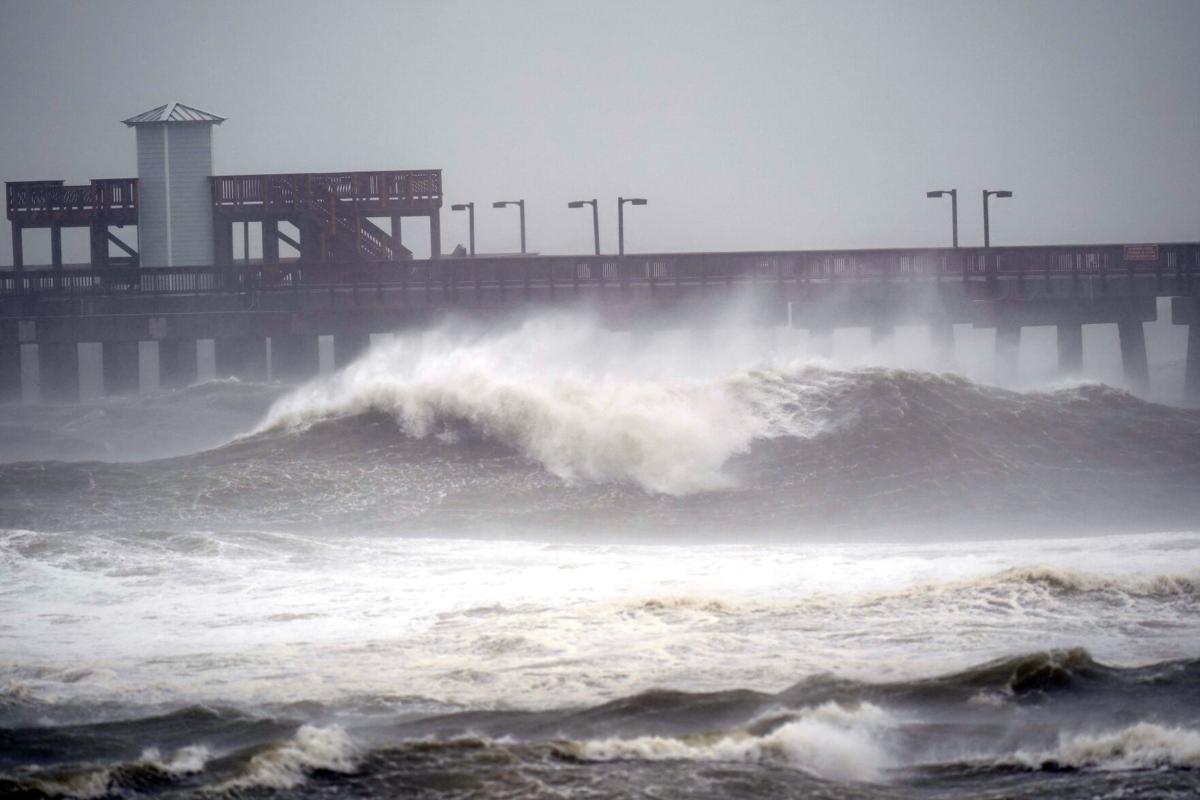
(553, 562)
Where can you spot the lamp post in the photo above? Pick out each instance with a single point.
(470, 209)
(987, 238)
(953, 208)
(521, 205)
(621, 201)
(595, 218)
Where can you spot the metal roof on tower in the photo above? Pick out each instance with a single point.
(174, 112)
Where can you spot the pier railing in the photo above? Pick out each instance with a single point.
(280, 192)
(43, 200)
(1107, 263)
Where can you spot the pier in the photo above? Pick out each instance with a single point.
(264, 319)
(176, 280)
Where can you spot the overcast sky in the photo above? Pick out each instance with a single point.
(747, 125)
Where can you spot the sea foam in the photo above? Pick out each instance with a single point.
(569, 396)
(829, 741)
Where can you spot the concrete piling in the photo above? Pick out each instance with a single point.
(1070, 348)
(121, 368)
(1133, 355)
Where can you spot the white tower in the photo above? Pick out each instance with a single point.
(174, 162)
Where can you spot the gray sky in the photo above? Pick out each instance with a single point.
(748, 125)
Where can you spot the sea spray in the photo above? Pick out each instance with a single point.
(562, 393)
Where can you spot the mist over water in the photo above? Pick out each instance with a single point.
(550, 559)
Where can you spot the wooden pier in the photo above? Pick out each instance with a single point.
(45, 314)
(331, 211)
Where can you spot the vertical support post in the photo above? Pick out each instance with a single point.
(596, 224)
(987, 237)
(620, 226)
(294, 358)
(954, 216)
(222, 241)
(18, 251)
(120, 368)
(1070, 348)
(471, 225)
(270, 241)
(1133, 355)
(435, 234)
(521, 208)
(56, 246)
(177, 363)
(941, 336)
(1191, 376)
(243, 358)
(397, 232)
(304, 231)
(98, 244)
(10, 373)
(58, 371)
(1008, 352)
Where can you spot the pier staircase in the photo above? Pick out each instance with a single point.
(345, 232)
(348, 234)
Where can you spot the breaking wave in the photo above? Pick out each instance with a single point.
(556, 420)
(285, 765)
(829, 741)
(1137, 747)
(589, 422)
(563, 395)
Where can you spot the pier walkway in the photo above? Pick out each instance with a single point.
(265, 318)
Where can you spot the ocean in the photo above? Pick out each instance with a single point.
(551, 561)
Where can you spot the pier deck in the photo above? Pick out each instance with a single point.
(242, 306)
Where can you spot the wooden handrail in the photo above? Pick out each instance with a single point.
(1098, 262)
(371, 187)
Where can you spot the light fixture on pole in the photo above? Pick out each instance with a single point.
(521, 205)
(953, 208)
(595, 218)
(621, 201)
(470, 209)
(987, 237)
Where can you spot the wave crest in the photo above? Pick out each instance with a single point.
(830, 741)
(285, 765)
(555, 393)
(1144, 745)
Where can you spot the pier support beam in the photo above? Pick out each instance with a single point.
(98, 244)
(435, 234)
(121, 368)
(270, 241)
(349, 345)
(58, 371)
(1133, 355)
(222, 240)
(18, 248)
(56, 246)
(1008, 352)
(1191, 379)
(294, 358)
(245, 359)
(941, 336)
(10, 373)
(177, 367)
(1070, 348)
